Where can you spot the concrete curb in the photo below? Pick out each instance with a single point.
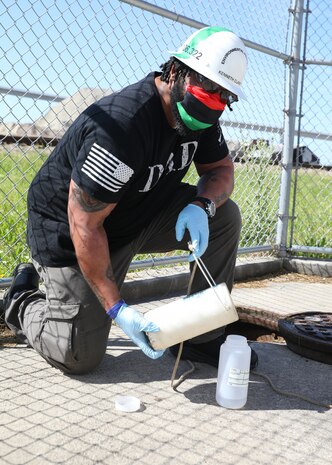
(309, 267)
(257, 268)
(162, 287)
(166, 286)
(175, 284)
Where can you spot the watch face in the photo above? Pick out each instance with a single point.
(211, 208)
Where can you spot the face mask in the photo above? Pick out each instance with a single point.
(200, 109)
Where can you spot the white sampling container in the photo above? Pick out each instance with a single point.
(191, 316)
(233, 372)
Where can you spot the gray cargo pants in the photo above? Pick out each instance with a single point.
(68, 325)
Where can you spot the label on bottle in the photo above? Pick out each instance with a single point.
(237, 377)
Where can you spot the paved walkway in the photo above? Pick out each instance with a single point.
(49, 418)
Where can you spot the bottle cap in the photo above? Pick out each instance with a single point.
(236, 339)
(127, 403)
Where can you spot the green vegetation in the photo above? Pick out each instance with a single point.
(313, 212)
(256, 192)
(17, 169)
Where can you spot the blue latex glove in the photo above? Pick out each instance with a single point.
(194, 218)
(135, 325)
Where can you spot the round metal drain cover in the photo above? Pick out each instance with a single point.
(309, 334)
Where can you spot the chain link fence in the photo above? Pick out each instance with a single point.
(59, 57)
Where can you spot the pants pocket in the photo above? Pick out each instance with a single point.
(56, 337)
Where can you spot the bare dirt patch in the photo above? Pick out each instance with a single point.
(7, 338)
(282, 277)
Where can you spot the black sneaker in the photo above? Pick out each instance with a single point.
(25, 278)
(207, 352)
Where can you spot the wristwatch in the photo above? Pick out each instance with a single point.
(209, 206)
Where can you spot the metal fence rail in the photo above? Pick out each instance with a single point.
(59, 58)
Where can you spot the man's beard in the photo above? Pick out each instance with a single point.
(177, 95)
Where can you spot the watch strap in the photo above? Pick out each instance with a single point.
(203, 199)
(208, 203)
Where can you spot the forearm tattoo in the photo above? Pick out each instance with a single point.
(220, 198)
(96, 291)
(110, 276)
(87, 203)
(223, 196)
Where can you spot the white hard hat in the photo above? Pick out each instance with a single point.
(218, 54)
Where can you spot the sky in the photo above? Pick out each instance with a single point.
(59, 46)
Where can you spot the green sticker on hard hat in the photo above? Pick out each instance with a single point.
(192, 47)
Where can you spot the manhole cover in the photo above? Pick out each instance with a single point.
(309, 334)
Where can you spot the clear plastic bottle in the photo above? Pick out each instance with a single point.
(233, 372)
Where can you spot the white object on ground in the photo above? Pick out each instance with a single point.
(233, 372)
(127, 403)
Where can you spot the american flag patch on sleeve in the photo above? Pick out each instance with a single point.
(106, 169)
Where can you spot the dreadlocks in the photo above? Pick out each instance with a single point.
(180, 69)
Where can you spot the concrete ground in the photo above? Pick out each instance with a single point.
(49, 418)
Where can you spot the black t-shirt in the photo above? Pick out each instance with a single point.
(119, 150)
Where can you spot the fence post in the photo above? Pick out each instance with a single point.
(289, 131)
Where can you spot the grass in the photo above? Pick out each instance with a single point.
(313, 209)
(17, 169)
(256, 192)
